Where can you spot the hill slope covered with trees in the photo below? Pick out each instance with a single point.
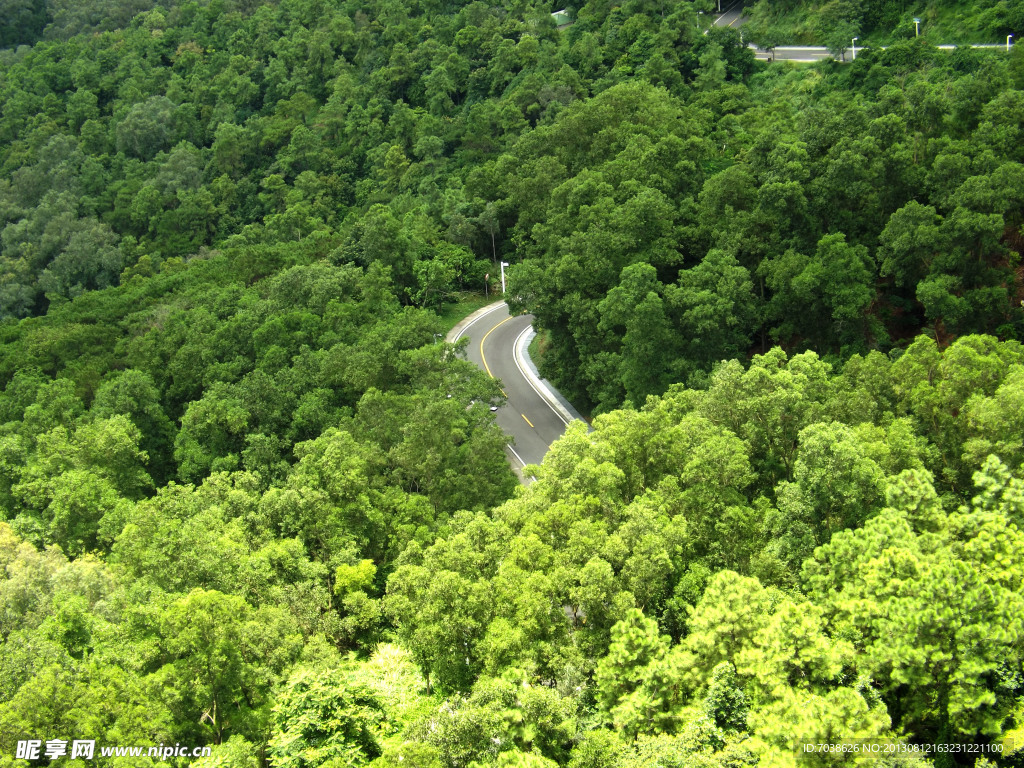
(885, 21)
(248, 500)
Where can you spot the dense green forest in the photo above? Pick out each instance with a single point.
(249, 499)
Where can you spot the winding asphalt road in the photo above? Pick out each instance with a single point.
(810, 53)
(534, 416)
(731, 15)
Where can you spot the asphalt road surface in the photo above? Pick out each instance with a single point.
(732, 12)
(526, 417)
(797, 53)
(817, 52)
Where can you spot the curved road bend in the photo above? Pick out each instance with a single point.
(526, 416)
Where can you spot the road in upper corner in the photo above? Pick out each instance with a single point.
(526, 416)
(731, 15)
(805, 54)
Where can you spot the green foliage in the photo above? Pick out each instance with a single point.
(628, 679)
(322, 719)
(350, 578)
(725, 702)
(232, 449)
(951, 621)
(222, 659)
(701, 508)
(501, 723)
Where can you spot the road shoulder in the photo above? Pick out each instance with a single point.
(460, 327)
(559, 404)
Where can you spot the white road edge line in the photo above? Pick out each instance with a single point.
(495, 308)
(541, 389)
(516, 454)
(556, 408)
(522, 466)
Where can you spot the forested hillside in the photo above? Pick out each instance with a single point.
(838, 212)
(248, 499)
(884, 21)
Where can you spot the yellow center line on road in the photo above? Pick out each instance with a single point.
(527, 420)
(482, 356)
